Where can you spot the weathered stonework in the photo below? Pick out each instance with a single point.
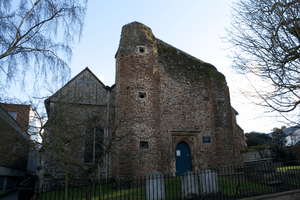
(165, 97)
(77, 107)
(185, 99)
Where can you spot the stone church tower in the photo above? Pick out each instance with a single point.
(172, 112)
(138, 97)
(170, 99)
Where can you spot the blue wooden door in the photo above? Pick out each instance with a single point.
(183, 158)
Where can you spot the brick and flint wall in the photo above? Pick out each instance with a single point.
(162, 96)
(170, 97)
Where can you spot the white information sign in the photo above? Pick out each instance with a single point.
(178, 153)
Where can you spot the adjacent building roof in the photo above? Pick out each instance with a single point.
(21, 122)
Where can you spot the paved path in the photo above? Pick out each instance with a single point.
(11, 196)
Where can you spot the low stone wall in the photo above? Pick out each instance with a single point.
(253, 154)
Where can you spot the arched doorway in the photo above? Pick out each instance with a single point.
(183, 158)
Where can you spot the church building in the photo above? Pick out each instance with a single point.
(167, 111)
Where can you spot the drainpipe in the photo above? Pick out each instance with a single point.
(108, 93)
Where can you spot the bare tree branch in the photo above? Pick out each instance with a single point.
(28, 28)
(265, 41)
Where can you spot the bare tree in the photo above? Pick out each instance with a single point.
(265, 42)
(76, 144)
(34, 35)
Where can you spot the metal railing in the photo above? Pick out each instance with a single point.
(252, 179)
(26, 190)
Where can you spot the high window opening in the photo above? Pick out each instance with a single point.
(141, 50)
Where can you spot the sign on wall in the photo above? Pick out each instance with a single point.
(206, 139)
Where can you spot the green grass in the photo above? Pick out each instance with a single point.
(227, 185)
(173, 188)
(231, 187)
(288, 167)
(106, 193)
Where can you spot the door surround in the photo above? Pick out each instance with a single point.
(190, 138)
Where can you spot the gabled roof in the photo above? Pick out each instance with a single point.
(291, 130)
(86, 71)
(288, 131)
(75, 77)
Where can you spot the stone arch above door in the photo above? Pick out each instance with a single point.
(190, 138)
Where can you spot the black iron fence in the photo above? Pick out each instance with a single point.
(252, 179)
